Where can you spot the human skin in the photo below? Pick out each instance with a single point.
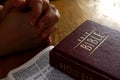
(20, 30)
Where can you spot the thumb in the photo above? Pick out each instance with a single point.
(38, 7)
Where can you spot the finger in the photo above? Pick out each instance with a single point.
(18, 3)
(50, 18)
(48, 39)
(48, 32)
(9, 4)
(47, 1)
(37, 8)
(1, 8)
(6, 8)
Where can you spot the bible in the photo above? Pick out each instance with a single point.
(37, 68)
(90, 52)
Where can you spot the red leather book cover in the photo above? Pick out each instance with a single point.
(91, 52)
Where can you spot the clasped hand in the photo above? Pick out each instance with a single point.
(25, 24)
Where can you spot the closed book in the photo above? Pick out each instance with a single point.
(90, 52)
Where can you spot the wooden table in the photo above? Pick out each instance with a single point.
(73, 13)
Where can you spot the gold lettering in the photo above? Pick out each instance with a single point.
(82, 37)
(62, 66)
(85, 34)
(89, 44)
(98, 39)
(86, 77)
(91, 41)
(73, 71)
(98, 35)
(79, 40)
(95, 42)
(69, 69)
(88, 48)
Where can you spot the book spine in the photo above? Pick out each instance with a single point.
(73, 69)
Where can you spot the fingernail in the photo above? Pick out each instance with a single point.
(18, 3)
(32, 19)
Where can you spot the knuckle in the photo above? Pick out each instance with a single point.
(55, 12)
(47, 1)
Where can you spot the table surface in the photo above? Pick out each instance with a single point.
(73, 13)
